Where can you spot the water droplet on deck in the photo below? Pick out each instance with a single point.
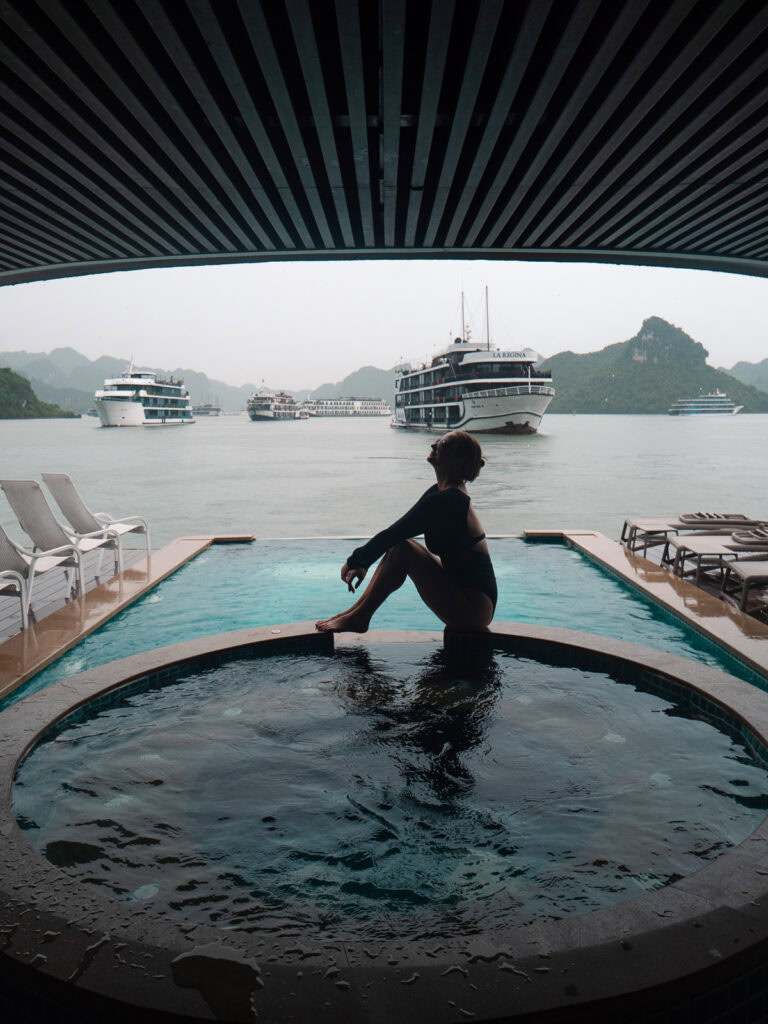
(145, 892)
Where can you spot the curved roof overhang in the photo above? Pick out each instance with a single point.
(143, 133)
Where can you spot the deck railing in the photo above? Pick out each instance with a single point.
(515, 389)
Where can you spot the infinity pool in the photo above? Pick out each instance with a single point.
(388, 790)
(272, 582)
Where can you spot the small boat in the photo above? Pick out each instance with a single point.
(139, 398)
(207, 409)
(716, 403)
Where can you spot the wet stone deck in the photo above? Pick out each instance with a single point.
(61, 621)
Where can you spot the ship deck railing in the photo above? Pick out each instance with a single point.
(514, 389)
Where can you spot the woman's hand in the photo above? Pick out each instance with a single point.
(350, 575)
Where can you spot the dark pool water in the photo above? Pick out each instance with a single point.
(393, 789)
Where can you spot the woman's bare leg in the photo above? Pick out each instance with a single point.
(457, 607)
(389, 576)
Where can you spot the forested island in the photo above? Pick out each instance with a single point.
(643, 375)
(19, 402)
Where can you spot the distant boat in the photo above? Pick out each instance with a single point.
(207, 409)
(714, 404)
(345, 407)
(140, 398)
(93, 411)
(272, 405)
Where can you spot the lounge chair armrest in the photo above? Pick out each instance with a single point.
(11, 574)
(108, 520)
(103, 533)
(65, 549)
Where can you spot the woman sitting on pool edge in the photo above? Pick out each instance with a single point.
(455, 576)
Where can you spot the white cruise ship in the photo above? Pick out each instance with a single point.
(272, 405)
(471, 386)
(140, 398)
(345, 407)
(716, 403)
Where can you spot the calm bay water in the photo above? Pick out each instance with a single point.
(328, 477)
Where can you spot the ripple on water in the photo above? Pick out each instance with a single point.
(387, 787)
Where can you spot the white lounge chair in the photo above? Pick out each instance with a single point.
(19, 568)
(85, 522)
(36, 519)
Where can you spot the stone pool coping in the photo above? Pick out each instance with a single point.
(66, 943)
(739, 634)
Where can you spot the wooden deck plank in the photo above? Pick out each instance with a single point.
(30, 650)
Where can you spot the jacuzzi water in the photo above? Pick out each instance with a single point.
(393, 789)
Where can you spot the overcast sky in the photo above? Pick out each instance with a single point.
(299, 325)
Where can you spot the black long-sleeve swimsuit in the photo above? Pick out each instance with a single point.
(442, 517)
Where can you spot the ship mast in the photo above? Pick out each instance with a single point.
(487, 321)
(463, 325)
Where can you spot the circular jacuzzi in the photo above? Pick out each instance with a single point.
(400, 826)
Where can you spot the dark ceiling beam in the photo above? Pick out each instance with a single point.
(306, 188)
(286, 217)
(516, 65)
(350, 43)
(435, 59)
(486, 226)
(138, 133)
(300, 17)
(650, 166)
(259, 224)
(85, 107)
(593, 105)
(392, 55)
(488, 16)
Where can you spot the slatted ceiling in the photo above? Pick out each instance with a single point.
(350, 44)
(167, 132)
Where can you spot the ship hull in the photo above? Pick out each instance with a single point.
(258, 416)
(131, 414)
(519, 415)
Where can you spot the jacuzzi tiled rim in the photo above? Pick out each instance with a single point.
(66, 943)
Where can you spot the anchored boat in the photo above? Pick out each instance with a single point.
(475, 387)
(715, 403)
(272, 405)
(140, 398)
(345, 407)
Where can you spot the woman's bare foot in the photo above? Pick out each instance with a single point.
(345, 622)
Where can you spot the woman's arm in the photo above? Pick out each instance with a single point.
(410, 525)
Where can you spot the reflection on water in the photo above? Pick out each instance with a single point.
(428, 725)
(387, 789)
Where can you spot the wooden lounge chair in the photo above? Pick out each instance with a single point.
(756, 537)
(643, 532)
(706, 552)
(19, 568)
(36, 519)
(740, 577)
(85, 522)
